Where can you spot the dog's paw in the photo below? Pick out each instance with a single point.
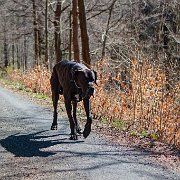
(73, 137)
(54, 127)
(79, 131)
(87, 130)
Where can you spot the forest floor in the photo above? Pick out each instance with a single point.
(163, 154)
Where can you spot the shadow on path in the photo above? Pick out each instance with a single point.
(30, 145)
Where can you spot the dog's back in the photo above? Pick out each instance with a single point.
(64, 71)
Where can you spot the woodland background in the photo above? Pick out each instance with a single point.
(134, 45)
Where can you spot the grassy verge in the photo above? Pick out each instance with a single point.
(16, 85)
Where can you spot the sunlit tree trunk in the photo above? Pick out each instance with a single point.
(84, 34)
(47, 62)
(70, 36)
(75, 31)
(57, 34)
(35, 29)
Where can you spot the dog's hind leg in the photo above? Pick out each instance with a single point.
(87, 108)
(78, 128)
(55, 103)
(71, 120)
(55, 98)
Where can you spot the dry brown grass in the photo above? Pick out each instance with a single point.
(35, 80)
(146, 107)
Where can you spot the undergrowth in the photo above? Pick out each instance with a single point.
(142, 106)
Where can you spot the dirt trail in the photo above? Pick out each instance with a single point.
(29, 150)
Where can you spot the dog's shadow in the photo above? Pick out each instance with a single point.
(30, 145)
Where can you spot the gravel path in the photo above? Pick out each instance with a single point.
(29, 150)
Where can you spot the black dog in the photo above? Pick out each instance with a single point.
(75, 82)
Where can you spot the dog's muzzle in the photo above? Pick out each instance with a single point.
(90, 91)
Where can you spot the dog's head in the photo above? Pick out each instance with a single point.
(85, 79)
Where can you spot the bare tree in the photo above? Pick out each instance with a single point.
(57, 33)
(48, 63)
(75, 31)
(107, 29)
(84, 33)
(35, 29)
(5, 43)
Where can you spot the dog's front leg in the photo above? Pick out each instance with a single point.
(87, 107)
(71, 120)
(78, 128)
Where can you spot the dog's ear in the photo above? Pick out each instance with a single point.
(95, 76)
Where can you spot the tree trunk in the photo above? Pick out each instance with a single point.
(70, 36)
(107, 29)
(25, 54)
(167, 56)
(5, 44)
(13, 55)
(84, 34)
(5, 52)
(75, 31)
(36, 41)
(57, 34)
(47, 62)
(18, 54)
